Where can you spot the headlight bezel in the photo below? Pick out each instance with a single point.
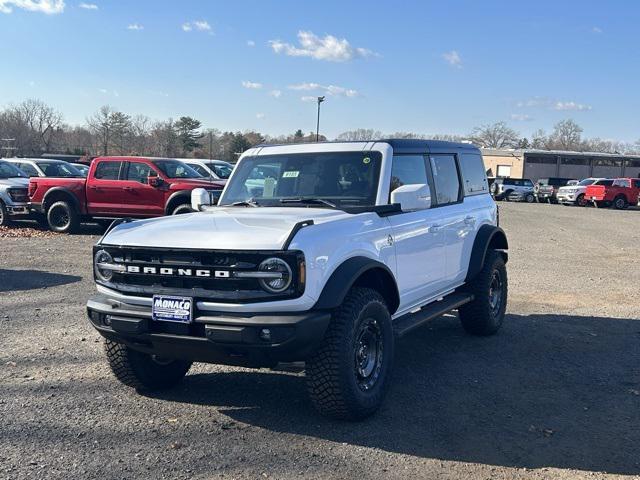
(102, 256)
(287, 275)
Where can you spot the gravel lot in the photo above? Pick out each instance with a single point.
(556, 394)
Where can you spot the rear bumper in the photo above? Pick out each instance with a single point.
(223, 338)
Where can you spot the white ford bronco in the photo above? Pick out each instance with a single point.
(317, 253)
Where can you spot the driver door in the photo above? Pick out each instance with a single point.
(139, 198)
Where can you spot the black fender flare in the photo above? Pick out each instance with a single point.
(171, 201)
(488, 237)
(67, 193)
(359, 271)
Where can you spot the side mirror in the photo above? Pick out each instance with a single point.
(412, 197)
(154, 181)
(201, 198)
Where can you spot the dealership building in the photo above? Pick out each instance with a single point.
(535, 164)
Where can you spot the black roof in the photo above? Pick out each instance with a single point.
(406, 145)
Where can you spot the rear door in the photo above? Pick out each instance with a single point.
(139, 198)
(418, 238)
(104, 189)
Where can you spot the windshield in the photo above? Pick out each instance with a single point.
(586, 181)
(220, 169)
(59, 169)
(10, 171)
(176, 169)
(339, 178)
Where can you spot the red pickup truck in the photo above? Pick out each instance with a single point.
(620, 193)
(117, 187)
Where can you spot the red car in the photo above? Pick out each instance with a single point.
(117, 187)
(619, 194)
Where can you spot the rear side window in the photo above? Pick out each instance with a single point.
(408, 170)
(474, 177)
(108, 171)
(445, 178)
(138, 172)
(200, 169)
(621, 182)
(636, 183)
(606, 183)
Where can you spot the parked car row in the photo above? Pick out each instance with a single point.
(618, 193)
(61, 196)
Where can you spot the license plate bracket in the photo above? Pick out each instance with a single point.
(171, 308)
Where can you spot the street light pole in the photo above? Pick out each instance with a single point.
(320, 100)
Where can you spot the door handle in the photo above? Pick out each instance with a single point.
(470, 220)
(435, 228)
(93, 187)
(127, 189)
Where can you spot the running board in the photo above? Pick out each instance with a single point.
(408, 322)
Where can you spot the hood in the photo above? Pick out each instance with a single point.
(14, 182)
(220, 228)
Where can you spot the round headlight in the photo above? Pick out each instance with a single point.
(281, 278)
(102, 259)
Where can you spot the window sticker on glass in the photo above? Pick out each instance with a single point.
(269, 187)
(291, 174)
(366, 160)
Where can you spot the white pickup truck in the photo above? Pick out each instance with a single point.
(340, 250)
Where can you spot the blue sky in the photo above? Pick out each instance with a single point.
(422, 66)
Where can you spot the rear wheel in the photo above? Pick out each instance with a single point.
(143, 371)
(485, 314)
(63, 218)
(348, 376)
(183, 208)
(5, 219)
(620, 203)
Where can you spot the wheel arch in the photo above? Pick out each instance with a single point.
(177, 198)
(59, 194)
(489, 237)
(361, 272)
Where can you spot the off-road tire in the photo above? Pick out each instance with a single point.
(5, 219)
(56, 215)
(620, 202)
(182, 208)
(480, 316)
(140, 370)
(333, 382)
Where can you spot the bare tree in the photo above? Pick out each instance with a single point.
(360, 134)
(567, 135)
(497, 135)
(100, 126)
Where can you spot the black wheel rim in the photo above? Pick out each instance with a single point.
(496, 288)
(619, 203)
(59, 217)
(368, 354)
(581, 201)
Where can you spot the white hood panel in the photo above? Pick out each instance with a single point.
(14, 182)
(221, 228)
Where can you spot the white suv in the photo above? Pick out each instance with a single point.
(216, 169)
(574, 194)
(340, 249)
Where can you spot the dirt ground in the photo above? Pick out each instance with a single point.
(555, 394)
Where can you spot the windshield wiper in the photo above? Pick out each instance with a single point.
(246, 203)
(309, 200)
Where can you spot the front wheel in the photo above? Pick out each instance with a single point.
(485, 314)
(180, 209)
(581, 201)
(348, 375)
(143, 371)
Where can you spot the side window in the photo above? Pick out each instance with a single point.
(473, 174)
(200, 169)
(138, 172)
(108, 171)
(445, 178)
(636, 183)
(408, 170)
(28, 169)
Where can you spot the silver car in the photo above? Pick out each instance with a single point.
(14, 193)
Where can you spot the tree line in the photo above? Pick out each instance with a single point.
(32, 128)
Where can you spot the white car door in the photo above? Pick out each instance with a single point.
(418, 238)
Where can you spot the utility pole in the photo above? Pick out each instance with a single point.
(320, 100)
(210, 145)
(8, 146)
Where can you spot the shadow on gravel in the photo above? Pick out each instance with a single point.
(31, 279)
(547, 391)
(31, 225)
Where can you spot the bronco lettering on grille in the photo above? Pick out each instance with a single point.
(179, 272)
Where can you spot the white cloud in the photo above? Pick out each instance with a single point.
(252, 85)
(198, 25)
(333, 90)
(275, 93)
(308, 98)
(596, 30)
(260, 116)
(135, 26)
(32, 83)
(251, 43)
(42, 6)
(329, 48)
(88, 6)
(103, 90)
(521, 117)
(578, 107)
(453, 58)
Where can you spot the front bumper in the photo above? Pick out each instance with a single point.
(566, 197)
(223, 338)
(18, 209)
